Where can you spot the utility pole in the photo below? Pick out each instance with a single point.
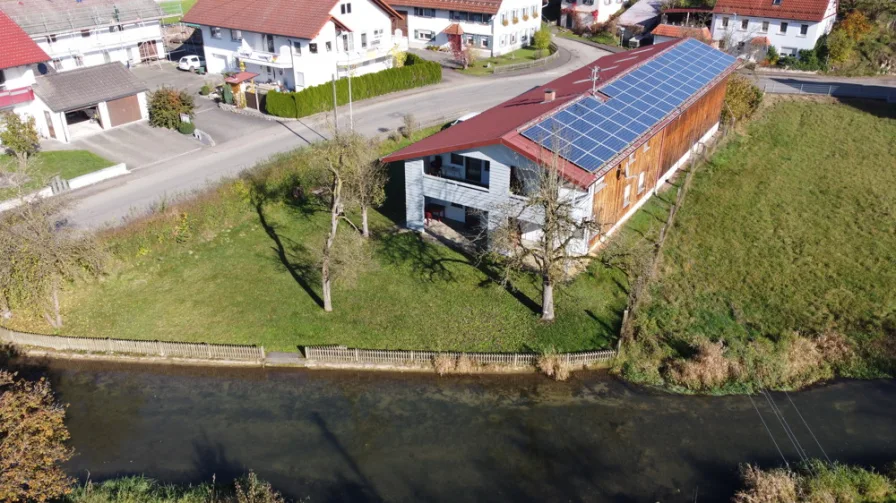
(335, 103)
(351, 115)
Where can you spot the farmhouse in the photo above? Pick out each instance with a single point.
(79, 33)
(491, 27)
(297, 44)
(621, 126)
(749, 27)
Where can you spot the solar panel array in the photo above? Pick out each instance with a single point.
(591, 132)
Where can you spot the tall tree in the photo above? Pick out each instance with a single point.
(40, 254)
(19, 136)
(32, 441)
(367, 186)
(550, 203)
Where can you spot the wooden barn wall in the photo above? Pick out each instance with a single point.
(683, 132)
(663, 150)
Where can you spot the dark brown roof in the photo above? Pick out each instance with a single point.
(481, 6)
(18, 48)
(672, 31)
(87, 86)
(288, 18)
(800, 10)
(453, 29)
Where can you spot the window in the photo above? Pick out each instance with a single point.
(85, 33)
(790, 51)
(486, 18)
(456, 159)
(588, 2)
(524, 37)
(512, 38)
(378, 33)
(764, 27)
(503, 40)
(424, 34)
(744, 24)
(51, 38)
(346, 8)
(329, 46)
(642, 182)
(236, 35)
(57, 64)
(363, 41)
(79, 61)
(457, 16)
(419, 11)
(476, 18)
(347, 42)
(783, 28)
(468, 39)
(312, 48)
(106, 57)
(804, 30)
(485, 42)
(627, 196)
(2, 78)
(216, 32)
(296, 47)
(724, 22)
(776, 2)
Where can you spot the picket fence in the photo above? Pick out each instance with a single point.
(200, 351)
(402, 357)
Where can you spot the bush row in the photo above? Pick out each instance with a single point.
(416, 72)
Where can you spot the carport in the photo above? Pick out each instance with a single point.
(88, 100)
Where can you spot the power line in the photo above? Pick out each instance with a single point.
(807, 427)
(787, 431)
(781, 453)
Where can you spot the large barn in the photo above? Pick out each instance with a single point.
(621, 125)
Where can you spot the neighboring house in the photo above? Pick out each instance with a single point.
(18, 62)
(748, 26)
(667, 32)
(622, 129)
(587, 13)
(297, 43)
(79, 33)
(493, 27)
(639, 19)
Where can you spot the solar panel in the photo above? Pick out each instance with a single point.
(591, 132)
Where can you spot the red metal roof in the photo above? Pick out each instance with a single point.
(685, 11)
(761, 41)
(501, 124)
(800, 10)
(16, 47)
(481, 6)
(288, 18)
(453, 29)
(668, 30)
(240, 77)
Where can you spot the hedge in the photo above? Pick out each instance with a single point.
(416, 72)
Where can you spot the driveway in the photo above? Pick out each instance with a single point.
(138, 145)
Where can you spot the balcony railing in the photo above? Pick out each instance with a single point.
(441, 173)
(377, 49)
(263, 58)
(10, 97)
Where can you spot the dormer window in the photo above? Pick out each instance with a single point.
(776, 2)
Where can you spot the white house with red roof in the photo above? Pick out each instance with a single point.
(746, 26)
(297, 43)
(18, 61)
(621, 127)
(587, 13)
(492, 27)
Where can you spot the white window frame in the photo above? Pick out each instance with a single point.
(725, 21)
(627, 195)
(297, 47)
(765, 25)
(642, 182)
(236, 35)
(424, 12)
(782, 28)
(744, 24)
(215, 31)
(427, 35)
(804, 30)
(345, 8)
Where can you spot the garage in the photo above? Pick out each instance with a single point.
(89, 100)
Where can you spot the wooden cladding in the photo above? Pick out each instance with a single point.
(635, 177)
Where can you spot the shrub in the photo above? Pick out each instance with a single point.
(742, 98)
(186, 128)
(166, 106)
(409, 126)
(772, 56)
(542, 39)
(416, 72)
(281, 104)
(443, 364)
(775, 486)
(814, 481)
(205, 90)
(709, 369)
(552, 365)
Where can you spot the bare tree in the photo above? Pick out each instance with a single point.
(40, 253)
(550, 204)
(367, 186)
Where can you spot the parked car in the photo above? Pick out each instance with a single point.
(191, 62)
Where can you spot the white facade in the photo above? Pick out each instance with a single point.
(128, 44)
(15, 91)
(511, 28)
(585, 11)
(788, 36)
(296, 63)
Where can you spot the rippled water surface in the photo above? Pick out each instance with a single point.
(337, 436)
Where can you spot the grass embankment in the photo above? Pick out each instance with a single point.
(780, 268)
(248, 489)
(599, 38)
(487, 66)
(179, 8)
(816, 481)
(218, 269)
(67, 164)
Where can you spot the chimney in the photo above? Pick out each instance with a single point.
(549, 95)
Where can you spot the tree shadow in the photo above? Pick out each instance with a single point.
(362, 491)
(296, 259)
(876, 108)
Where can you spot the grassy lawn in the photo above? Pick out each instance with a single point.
(600, 38)
(172, 7)
(784, 250)
(64, 163)
(485, 66)
(218, 269)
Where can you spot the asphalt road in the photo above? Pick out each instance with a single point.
(109, 202)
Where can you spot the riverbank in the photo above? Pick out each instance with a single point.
(412, 437)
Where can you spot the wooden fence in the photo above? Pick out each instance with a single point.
(555, 53)
(199, 351)
(402, 357)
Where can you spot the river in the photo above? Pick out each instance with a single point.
(340, 436)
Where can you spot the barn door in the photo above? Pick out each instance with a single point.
(401, 24)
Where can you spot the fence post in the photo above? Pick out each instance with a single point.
(263, 356)
(161, 351)
(109, 345)
(516, 358)
(208, 350)
(357, 355)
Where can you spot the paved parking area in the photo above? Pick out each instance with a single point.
(138, 145)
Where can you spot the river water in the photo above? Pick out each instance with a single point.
(340, 436)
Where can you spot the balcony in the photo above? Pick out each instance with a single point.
(377, 49)
(10, 97)
(263, 58)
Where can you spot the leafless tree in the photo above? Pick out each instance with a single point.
(550, 203)
(366, 187)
